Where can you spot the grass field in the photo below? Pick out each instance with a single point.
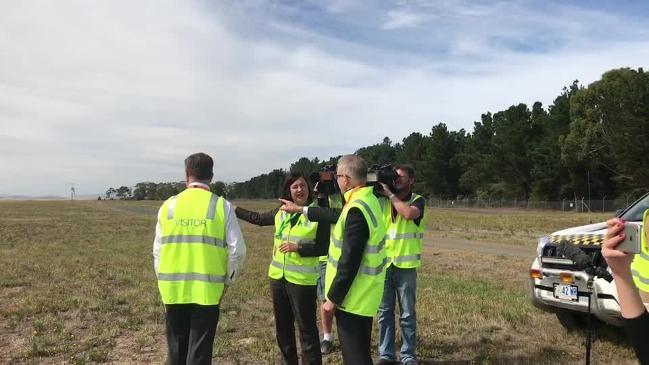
(520, 227)
(77, 286)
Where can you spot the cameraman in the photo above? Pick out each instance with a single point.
(636, 318)
(404, 233)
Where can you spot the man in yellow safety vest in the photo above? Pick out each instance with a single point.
(404, 233)
(198, 250)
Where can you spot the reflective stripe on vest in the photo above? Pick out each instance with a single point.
(193, 257)
(409, 258)
(641, 278)
(290, 265)
(640, 264)
(193, 239)
(363, 269)
(369, 212)
(368, 249)
(295, 268)
(298, 240)
(211, 211)
(364, 295)
(192, 276)
(211, 208)
(403, 238)
(172, 206)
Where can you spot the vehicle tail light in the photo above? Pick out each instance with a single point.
(536, 274)
(566, 278)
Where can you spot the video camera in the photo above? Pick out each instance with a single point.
(325, 180)
(384, 174)
(582, 261)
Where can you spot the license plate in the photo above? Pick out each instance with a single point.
(566, 292)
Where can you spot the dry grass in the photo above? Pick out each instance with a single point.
(77, 286)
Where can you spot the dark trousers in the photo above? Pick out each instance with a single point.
(296, 303)
(354, 333)
(190, 333)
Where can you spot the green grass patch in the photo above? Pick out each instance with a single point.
(77, 286)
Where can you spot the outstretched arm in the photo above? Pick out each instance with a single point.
(259, 219)
(315, 214)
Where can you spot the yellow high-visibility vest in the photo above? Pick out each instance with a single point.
(295, 268)
(364, 295)
(640, 264)
(403, 238)
(193, 255)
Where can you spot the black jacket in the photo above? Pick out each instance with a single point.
(355, 238)
(637, 329)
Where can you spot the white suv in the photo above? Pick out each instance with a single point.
(569, 268)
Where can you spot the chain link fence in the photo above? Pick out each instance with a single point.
(574, 205)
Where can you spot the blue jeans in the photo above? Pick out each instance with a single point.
(322, 266)
(400, 284)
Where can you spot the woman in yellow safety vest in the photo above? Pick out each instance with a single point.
(293, 271)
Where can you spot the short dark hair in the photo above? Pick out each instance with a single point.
(199, 166)
(407, 168)
(290, 179)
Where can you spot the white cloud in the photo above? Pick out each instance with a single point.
(114, 93)
(401, 19)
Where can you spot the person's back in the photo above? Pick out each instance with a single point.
(197, 250)
(193, 256)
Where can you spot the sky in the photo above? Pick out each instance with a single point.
(101, 94)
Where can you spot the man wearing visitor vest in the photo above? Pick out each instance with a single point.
(198, 250)
(404, 232)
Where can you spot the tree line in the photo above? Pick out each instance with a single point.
(590, 142)
(156, 191)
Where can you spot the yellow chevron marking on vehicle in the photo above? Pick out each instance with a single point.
(584, 239)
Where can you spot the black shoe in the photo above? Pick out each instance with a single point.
(326, 347)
